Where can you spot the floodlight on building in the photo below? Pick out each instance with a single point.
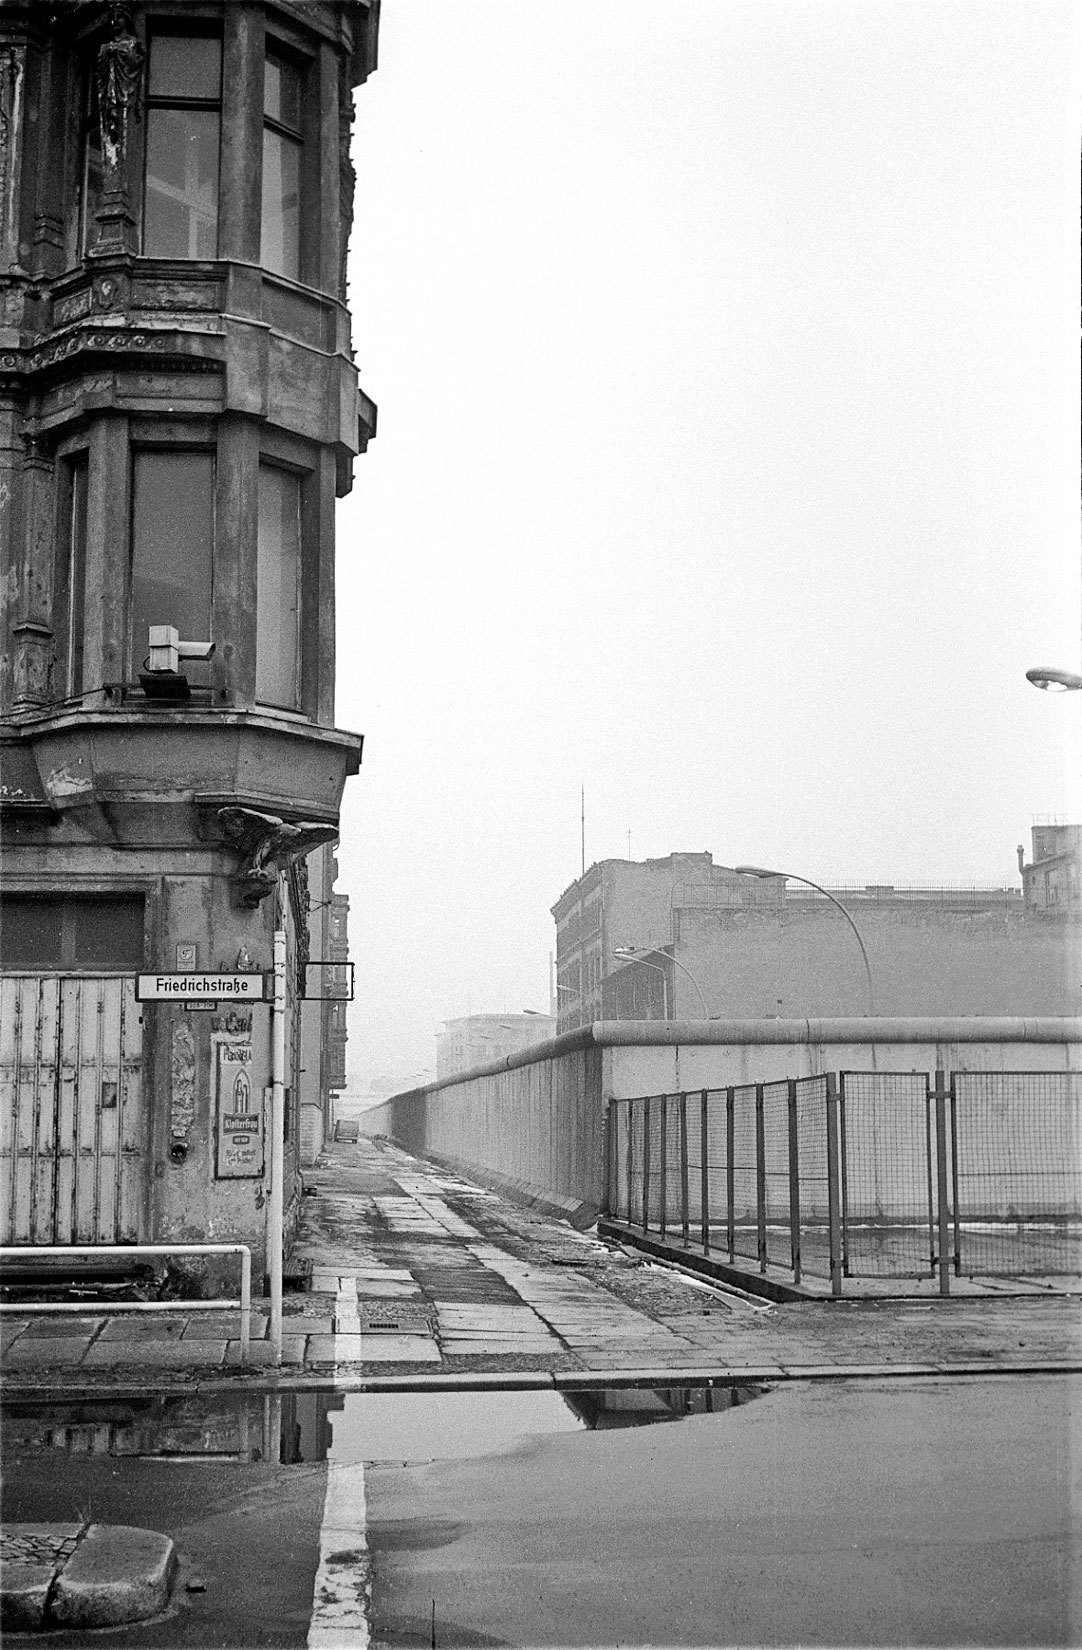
(162, 677)
(1053, 680)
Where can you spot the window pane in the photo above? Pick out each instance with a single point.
(77, 932)
(278, 588)
(182, 184)
(282, 92)
(185, 66)
(30, 932)
(106, 933)
(281, 242)
(172, 547)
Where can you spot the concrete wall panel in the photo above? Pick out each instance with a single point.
(536, 1122)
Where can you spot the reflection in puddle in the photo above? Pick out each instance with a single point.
(345, 1426)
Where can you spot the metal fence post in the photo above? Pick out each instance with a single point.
(664, 1163)
(833, 1186)
(928, 1155)
(943, 1211)
(794, 1184)
(610, 1157)
(844, 1147)
(954, 1180)
(760, 1177)
(645, 1162)
(730, 1171)
(684, 1168)
(704, 1168)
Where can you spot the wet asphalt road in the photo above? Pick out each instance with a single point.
(249, 1532)
(875, 1512)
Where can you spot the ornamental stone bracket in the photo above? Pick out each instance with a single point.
(267, 845)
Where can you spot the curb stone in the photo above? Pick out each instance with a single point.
(104, 1575)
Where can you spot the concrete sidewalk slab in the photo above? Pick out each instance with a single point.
(170, 1353)
(46, 1351)
(82, 1576)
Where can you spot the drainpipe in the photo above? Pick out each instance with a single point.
(275, 1209)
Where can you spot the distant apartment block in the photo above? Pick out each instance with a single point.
(476, 1039)
(711, 943)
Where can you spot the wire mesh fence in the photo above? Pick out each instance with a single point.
(861, 1175)
(776, 1179)
(813, 1184)
(887, 1201)
(1015, 1150)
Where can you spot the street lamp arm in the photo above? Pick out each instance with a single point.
(694, 981)
(757, 871)
(628, 953)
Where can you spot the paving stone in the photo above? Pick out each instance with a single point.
(329, 1349)
(162, 1354)
(261, 1353)
(54, 1327)
(30, 1555)
(137, 1327)
(406, 1349)
(24, 1595)
(50, 1352)
(118, 1574)
(216, 1326)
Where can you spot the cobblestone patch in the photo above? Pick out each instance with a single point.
(48, 1546)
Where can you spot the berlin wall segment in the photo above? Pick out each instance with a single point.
(628, 1059)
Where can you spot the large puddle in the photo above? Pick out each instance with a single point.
(344, 1426)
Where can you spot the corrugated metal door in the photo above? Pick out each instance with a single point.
(71, 1109)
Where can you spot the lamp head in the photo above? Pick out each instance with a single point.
(1054, 681)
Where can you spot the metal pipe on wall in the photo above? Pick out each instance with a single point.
(276, 1201)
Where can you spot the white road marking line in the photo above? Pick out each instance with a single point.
(347, 1319)
(341, 1597)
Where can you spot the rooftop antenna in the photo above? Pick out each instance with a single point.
(584, 828)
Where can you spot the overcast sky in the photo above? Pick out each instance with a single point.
(725, 360)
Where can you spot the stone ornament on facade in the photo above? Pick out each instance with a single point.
(267, 845)
(12, 66)
(118, 75)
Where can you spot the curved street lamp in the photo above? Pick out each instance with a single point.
(639, 953)
(1054, 681)
(758, 871)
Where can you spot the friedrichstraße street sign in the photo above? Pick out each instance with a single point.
(186, 988)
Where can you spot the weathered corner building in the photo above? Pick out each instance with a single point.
(179, 410)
